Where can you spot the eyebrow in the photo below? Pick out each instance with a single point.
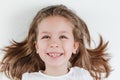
(64, 32)
(46, 32)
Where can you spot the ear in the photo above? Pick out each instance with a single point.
(76, 45)
(36, 46)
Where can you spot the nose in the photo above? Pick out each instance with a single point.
(54, 43)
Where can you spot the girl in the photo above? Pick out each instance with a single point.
(55, 49)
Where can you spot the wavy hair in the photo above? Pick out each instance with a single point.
(21, 57)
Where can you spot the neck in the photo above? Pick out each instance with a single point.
(56, 71)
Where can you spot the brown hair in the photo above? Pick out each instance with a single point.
(21, 57)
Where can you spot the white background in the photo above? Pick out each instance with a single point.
(101, 16)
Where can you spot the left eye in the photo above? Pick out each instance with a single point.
(63, 37)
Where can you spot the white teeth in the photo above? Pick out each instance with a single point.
(54, 54)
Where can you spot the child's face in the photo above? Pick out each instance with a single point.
(55, 41)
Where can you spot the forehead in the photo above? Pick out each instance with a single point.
(55, 24)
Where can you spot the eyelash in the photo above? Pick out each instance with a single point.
(45, 37)
(48, 37)
(63, 37)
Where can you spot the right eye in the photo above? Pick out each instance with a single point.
(45, 37)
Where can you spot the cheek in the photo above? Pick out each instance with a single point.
(42, 46)
(68, 47)
(41, 50)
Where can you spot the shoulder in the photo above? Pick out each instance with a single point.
(30, 76)
(82, 73)
(79, 70)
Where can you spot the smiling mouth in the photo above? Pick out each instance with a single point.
(54, 54)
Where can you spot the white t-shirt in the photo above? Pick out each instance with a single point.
(75, 73)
